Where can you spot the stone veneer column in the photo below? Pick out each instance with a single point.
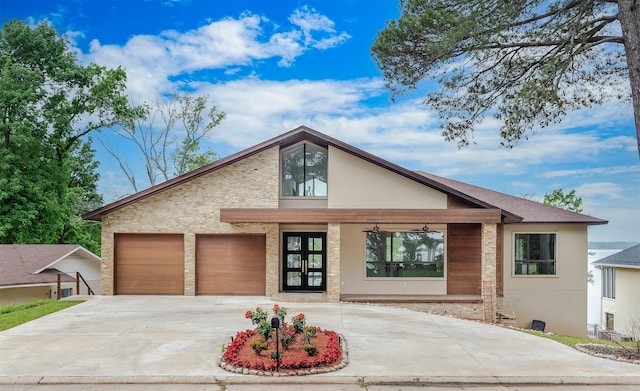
(107, 276)
(489, 240)
(333, 262)
(189, 264)
(273, 260)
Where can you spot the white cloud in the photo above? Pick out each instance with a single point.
(150, 61)
(608, 189)
(615, 170)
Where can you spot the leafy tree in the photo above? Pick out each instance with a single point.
(48, 105)
(529, 62)
(567, 201)
(155, 133)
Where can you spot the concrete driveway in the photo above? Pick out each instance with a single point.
(177, 339)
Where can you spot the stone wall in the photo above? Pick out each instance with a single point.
(459, 310)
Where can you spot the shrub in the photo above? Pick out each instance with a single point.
(258, 346)
(310, 349)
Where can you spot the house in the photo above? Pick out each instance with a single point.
(369, 231)
(620, 296)
(30, 271)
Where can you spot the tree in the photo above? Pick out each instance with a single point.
(528, 61)
(48, 106)
(567, 201)
(155, 130)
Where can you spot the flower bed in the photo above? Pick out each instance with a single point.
(301, 349)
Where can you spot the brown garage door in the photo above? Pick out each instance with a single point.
(232, 264)
(149, 264)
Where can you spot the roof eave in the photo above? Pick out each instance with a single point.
(88, 254)
(298, 134)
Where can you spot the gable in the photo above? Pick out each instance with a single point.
(357, 183)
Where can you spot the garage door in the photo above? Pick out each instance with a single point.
(230, 264)
(149, 264)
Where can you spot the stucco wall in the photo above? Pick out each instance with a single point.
(24, 294)
(194, 208)
(355, 183)
(626, 306)
(88, 268)
(559, 300)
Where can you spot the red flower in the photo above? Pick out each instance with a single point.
(247, 314)
(276, 308)
(301, 316)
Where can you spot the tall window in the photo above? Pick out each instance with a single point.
(609, 282)
(535, 254)
(304, 171)
(405, 254)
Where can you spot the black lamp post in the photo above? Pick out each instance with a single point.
(275, 323)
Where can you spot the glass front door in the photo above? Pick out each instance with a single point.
(304, 261)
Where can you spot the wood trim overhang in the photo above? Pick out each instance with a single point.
(366, 216)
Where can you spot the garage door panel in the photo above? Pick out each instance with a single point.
(149, 264)
(231, 264)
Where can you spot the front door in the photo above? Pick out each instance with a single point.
(304, 261)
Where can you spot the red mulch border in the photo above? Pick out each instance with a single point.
(226, 362)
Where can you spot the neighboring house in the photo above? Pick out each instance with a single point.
(30, 271)
(304, 216)
(620, 294)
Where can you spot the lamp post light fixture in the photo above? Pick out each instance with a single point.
(275, 323)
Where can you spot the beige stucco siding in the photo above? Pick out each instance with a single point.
(626, 306)
(194, 207)
(559, 300)
(88, 268)
(353, 275)
(21, 295)
(356, 183)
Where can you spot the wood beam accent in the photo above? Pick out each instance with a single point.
(366, 216)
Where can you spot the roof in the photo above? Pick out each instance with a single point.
(530, 211)
(24, 264)
(511, 209)
(629, 258)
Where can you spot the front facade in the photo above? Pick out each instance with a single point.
(620, 298)
(306, 217)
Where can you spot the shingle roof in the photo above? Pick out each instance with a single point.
(625, 258)
(19, 262)
(530, 211)
(513, 209)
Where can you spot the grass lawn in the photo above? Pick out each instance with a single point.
(573, 341)
(14, 315)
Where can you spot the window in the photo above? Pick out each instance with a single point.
(609, 282)
(405, 254)
(535, 254)
(304, 171)
(66, 292)
(610, 319)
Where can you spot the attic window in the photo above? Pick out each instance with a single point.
(304, 171)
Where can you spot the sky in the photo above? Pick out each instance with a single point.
(274, 65)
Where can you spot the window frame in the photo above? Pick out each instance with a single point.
(281, 173)
(391, 233)
(530, 262)
(608, 282)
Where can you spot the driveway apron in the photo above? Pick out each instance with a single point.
(165, 339)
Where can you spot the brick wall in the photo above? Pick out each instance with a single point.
(194, 208)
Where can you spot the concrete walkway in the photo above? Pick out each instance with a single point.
(177, 340)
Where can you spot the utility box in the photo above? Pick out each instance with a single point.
(538, 325)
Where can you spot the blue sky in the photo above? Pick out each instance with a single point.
(275, 65)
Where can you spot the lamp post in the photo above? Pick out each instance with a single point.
(275, 323)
